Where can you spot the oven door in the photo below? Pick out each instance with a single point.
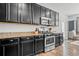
(50, 40)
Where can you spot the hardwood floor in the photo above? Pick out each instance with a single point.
(56, 52)
(73, 50)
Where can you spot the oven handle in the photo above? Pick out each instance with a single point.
(49, 37)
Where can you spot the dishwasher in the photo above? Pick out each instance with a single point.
(10, 47)
(27, 46)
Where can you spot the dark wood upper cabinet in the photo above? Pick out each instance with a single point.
(57, 19)
(53, 18)
(13, 12)
(26, 16)
(2, 12)
(36, 13)
(48, 13)
(28, 13)
(43, 11)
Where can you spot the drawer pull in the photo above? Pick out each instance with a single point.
(11, 40)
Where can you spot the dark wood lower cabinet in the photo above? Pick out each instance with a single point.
(27, 46)
(11, 50)
(10, 47)
(27, 49)
(57, 41)
(39, 45)
(32, 46)
(61, 39)
(1, 51)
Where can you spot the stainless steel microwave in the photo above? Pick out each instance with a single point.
(45, 20)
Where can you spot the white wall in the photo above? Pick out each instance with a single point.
(14, 27)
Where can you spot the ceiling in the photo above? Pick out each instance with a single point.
(66, 8)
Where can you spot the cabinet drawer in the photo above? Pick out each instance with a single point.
(10, 41)
(27, 39)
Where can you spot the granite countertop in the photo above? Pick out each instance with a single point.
(17, 34)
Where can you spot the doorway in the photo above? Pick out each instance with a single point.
(77, 25)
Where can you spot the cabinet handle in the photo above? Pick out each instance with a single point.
(11, 40)
(28, 38)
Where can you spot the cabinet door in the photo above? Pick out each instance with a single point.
(13, 12)
(36, 13)
(61, 38)
(57, 19)
(52, 22)
(43, 11)
(48, 13)
(27, 48)
(2, 12)
(57, 41)
(26, 13)
(1, 51)
(11, 50)
(39, 45)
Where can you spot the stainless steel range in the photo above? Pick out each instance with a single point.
(49, 42)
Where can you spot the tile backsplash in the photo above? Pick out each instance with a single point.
(14, 27)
